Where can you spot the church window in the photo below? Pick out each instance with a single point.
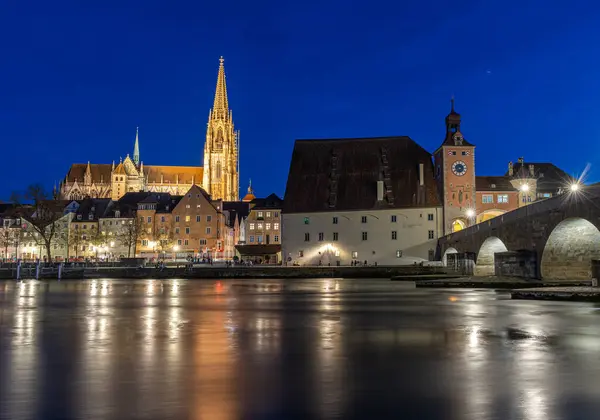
(218, 173)
(208, 230)
(187, 218)
(276, 226)
(487, 198)
(197, 218)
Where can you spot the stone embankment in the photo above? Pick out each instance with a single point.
(222, 272)
(576, 294)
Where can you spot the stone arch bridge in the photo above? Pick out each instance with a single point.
(552, 239)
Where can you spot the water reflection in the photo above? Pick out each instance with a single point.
(301, 349)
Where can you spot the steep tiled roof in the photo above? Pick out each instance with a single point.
(97, 207)
(100, 172)
(342, 174)
(271, 202)
(550, 178)
(493, 183)
(186, 174)
(127, 205)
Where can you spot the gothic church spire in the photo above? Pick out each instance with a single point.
(220, 108)
(136, 147)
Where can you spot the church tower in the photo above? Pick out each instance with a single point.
(455, 176)
(221, 178)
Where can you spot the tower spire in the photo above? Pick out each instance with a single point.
(220, 108)
(136, 147)
(452, 104)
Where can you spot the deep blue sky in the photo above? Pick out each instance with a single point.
(76, 77)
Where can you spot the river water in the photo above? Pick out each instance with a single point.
(267, 349)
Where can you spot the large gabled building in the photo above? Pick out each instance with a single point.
(361, 199)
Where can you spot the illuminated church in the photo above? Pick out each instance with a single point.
(219, 176)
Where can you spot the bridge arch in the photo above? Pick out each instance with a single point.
(570, 249)
(484, 216)
(450, 250)
(459, 224)
(485, 265)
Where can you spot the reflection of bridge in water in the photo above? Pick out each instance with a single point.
(551, 239)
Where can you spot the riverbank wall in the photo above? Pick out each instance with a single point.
(221, 272)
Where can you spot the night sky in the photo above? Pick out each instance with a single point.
(77, 77)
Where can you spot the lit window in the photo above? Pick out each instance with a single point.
(394, 235)
(268, 226)
(300, 254)
(431, 234)
(487, 198)
(276, 226)
(187, 206)
(260, 226)
(306, 237)
(187, 218)
(394, 219)
(321, 236)
(260, 214)
(335, 236)
(354, 255)
(364, 236)
(251, 226)
(337, 252)
(268, 214)
(398, 254)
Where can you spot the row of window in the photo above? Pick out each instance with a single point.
(267, 226)
(489, 198)
(260, 214)
(364, 236)
(177, 219)
(259, 239)
(363, 219)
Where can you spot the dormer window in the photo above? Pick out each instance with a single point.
(117, 213)
(493, 186)
(90, 216)
(79, 217)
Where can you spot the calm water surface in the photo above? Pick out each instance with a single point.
(321, 349)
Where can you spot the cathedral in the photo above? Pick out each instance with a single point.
(219, 176)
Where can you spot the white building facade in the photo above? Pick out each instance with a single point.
(351, 201)
(382, 237)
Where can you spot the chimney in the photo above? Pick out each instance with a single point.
(531, 170)
(510, 168)
(421, 174)
(379, 190)
(521, 160)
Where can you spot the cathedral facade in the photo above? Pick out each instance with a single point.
(219, 176)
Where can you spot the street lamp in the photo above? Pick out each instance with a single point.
(574, 187)
(470, 213)
(524, 187)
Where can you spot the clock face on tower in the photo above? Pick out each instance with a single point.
(459, 168)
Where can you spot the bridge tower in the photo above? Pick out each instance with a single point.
(455, 176)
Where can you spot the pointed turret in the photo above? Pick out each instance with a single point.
(87, 177)
(136, 147)
(250, 196)
(220, 108)
(113, 166)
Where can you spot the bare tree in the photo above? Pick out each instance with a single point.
(42, 214)
(130, 233)
(6, 239)
(76, 240)
(164, 239)
(96, 238)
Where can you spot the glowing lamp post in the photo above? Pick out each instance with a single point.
(574, 187)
